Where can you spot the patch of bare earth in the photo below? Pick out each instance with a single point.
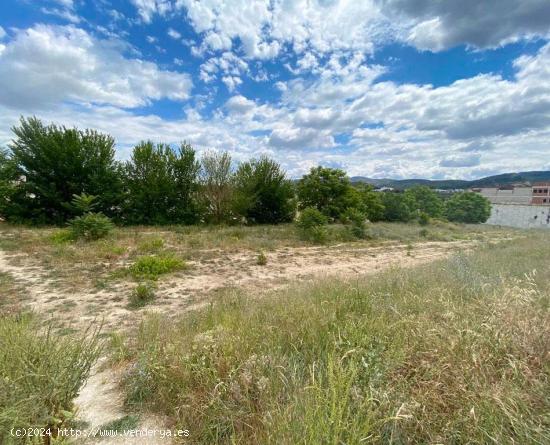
(100, 400)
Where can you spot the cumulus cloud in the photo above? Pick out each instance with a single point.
(263, 26)
(480, 24)
(147, 9)
(45, 65)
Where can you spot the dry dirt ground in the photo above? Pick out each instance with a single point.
(100, 401)
(194, 286)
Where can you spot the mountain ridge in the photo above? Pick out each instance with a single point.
(503, 179)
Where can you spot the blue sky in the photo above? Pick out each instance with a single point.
(381, 88)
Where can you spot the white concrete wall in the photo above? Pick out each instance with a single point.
(522, 216)
(518, 195)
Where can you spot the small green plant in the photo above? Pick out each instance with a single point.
(423, 219)
(143, 294)
(83, 203)
(91, 226)
(151, 245)
(355, 222)
(61, 236)
(409, 249)
(312, 225)
(261, 260)
(424, 233)
(150, 267)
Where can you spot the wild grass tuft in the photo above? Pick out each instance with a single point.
(143, 294)
(151, 267)
(40, 374)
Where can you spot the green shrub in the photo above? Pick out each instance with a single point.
(61, 236)
(143, 294)
(312, 224)
(355, 222)
(91, 226)
(40, 374)
(423, 219)
(150, 267)
(261, 260)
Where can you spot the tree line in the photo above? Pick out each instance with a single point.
(52, 174)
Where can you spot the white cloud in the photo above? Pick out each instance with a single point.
(482, 24)
(239, 104)
(147, 9)
(263, 26)
(173, 34)
(46, 65)
(62, 13)
(231, 82)
(2, 33)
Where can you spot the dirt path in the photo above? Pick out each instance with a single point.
(194, 286)
(100, 400)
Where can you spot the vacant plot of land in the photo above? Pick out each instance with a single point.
(383, 329)
(77, 283)
(453, 351)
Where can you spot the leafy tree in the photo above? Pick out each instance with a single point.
(8, 182)
(263, 194)
(329, 190)
(427, 200)
(468, 207)
(371, 202)
(217, 185)
(161, 185)
(398, 206)
(54, 163)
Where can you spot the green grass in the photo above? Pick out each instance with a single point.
(143, 294)
(451, 352)
(151, 267)
(40, 375)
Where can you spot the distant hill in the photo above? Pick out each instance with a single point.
(489, 181)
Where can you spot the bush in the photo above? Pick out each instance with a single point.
(311, 224)
(40, 374)
(261, 260)
(468, 207)
(263, 194)
(143, 294)
(91, 226)
(355, 222)
(150, 267)
(423, 219)
(58, 163)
